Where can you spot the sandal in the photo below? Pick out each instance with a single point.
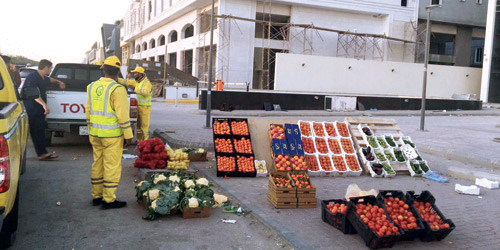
(48, 157)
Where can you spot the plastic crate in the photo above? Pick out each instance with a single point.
(409, 234)
(231, 120)
(338, 220)
(372, 240)
(428, 234)
(226, 173)
(222, 120)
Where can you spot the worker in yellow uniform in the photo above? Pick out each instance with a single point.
(108, 119)
(144, 91)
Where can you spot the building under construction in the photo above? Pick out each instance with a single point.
(249, 33)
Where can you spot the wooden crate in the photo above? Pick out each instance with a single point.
(379, 126)
(283, 204)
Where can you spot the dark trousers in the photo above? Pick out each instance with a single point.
(37, 131)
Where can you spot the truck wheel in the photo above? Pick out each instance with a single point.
(48, 138)
(9, 227)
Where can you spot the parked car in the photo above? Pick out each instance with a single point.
(14, 131)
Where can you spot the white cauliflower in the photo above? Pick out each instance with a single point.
(140, 183)
(159, 178)
(189, 183)
(219, 200)
(154, 205)
(174, 178)
(177, 189)
(154, 194)
(202, 181)
(193, 203)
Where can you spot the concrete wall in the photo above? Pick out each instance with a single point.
(305, 73)
(466, 12)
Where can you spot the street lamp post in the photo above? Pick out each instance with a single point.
(210, 66)
(426, 63)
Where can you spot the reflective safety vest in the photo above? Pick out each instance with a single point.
(143, 100)
(103, 120)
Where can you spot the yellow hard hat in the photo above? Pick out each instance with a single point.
(138, 70)
(112, 61)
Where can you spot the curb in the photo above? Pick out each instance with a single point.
(354, 113)
(266, 220)
(466, 158)
(181, 143)
(471, 175)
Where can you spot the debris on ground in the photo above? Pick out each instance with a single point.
(472, 189)
(129, 156)
(483, 182)
(224, 220)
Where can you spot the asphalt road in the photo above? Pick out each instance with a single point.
(75, 224)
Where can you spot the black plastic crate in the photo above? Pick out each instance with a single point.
(409, 234)
(338, 220)
(226, 173)
(428, 234)
(372, 240)
(221, 120)
(246, 174)
(239, 120)
(239, 137)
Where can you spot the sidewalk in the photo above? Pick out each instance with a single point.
(460, 137)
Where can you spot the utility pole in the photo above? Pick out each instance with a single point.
(426, 63)
(210, 66)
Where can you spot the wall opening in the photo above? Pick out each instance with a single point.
(187, 61)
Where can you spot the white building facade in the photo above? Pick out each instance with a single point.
(177, 32)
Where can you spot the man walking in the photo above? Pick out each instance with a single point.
(108, 119)
(37, 109)
(144, 91)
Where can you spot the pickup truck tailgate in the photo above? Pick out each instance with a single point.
(66, 105)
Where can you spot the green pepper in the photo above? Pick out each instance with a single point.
(388, 168)
(390, 141)
(409, 142)
(399, 155)
(424, 166)
(380, 156)
(382, 143)
(389, 156)
(372, 142)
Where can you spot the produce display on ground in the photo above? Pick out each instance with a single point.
(319, 130)
(178, 191)
(334, 146)
(321, 146)
(347, 145)
(292, 190)
(177, 159)
(277, 132)
(233, 152)
(305, 128)
(330, 129)
(342, 129)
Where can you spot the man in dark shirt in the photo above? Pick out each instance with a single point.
(37, 109)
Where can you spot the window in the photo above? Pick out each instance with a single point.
(275, 30)
(152, 58)
(138, 49)
(95, 74)
(150, 10)
(161, 58)
(187, 61)
(161, 40)
(172, 59)
(436, 2)
(155, 8)
(162, 3)
(478, 56)
(144, 46)
(152, 43)
(172, 37)
(188, 31)
(144, 14)
(64, 73)
(442, 44)
(479, 1)
(81, 74)
(404, 3)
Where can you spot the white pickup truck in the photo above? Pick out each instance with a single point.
(67, 107)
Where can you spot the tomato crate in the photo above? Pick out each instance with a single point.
(372, 240)
(239, 140)
(303, 192)
(337, 220)
(275, 131)
(239, 120)
(281, 192)
(429, 234)
(251, 158)
(226, 173)
(224, 122)
(409, 234)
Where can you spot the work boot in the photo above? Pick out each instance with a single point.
(96, 202)
(114, 204)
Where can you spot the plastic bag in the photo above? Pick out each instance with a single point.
(354, 191)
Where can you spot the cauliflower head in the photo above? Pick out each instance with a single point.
(159, 178)
(189, 183)
(193, 203)
(202, 181)
(154, 194)
(174, 178)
